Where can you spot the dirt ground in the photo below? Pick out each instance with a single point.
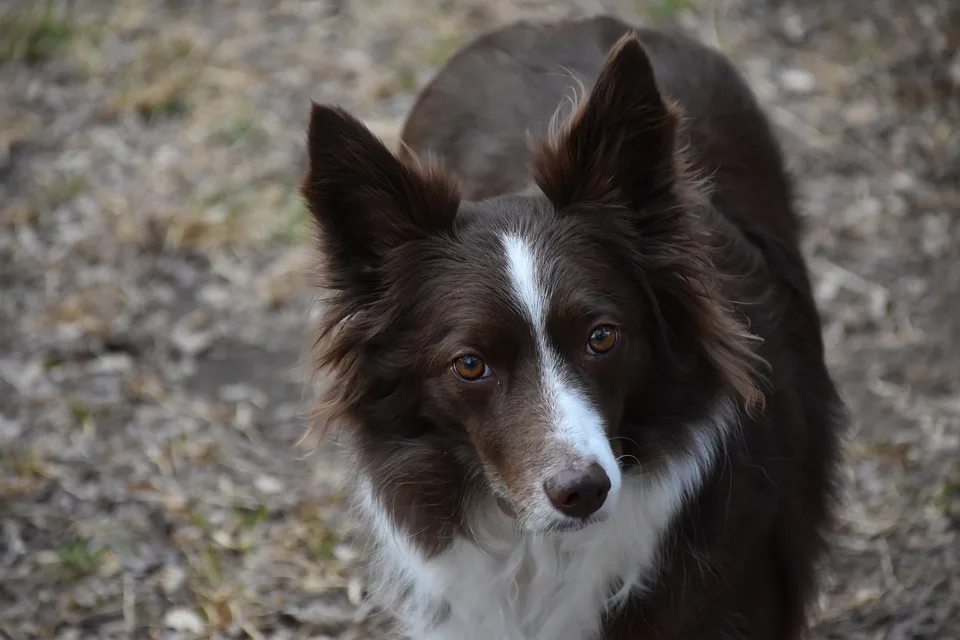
(153, 312)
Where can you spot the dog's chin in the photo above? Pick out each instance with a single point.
(561, 525)
(575, 524)
(540, 526)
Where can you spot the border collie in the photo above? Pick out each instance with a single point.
(573, 356)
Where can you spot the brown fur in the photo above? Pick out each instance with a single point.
(709, 287)
(561, 170)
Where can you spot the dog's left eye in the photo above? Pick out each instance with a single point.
(471, 368)
(602, 339)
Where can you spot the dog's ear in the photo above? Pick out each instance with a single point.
(365, 201)
(618, 147)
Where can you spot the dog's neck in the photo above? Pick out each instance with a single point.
(500, 582)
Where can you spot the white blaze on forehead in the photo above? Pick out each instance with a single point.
(575, 421)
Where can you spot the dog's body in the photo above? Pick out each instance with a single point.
(586, 400)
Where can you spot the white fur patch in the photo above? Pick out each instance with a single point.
(575, 421)
(511, 585)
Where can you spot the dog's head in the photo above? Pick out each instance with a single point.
(505, 343)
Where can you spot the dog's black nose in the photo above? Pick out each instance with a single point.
(581, 493)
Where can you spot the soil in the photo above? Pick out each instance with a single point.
(154, 309)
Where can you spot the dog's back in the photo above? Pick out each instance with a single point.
(504, 89)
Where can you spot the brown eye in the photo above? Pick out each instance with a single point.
(470, 368)
(602, 339)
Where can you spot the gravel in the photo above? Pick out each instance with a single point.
(154, 307)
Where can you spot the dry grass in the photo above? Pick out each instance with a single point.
(35, 34)
(154, 307)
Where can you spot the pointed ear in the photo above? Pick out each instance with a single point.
(364, 200)
(618, 146)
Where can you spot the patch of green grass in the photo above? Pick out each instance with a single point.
(660, 11)
(293, 226)
(45, 197)
(235, 131)
(169, 106)
(79, 558)
(26, 464)
(406, 80)
(321, 548)
(65, 189)
(161, 54)
(200, 521)
(210, 566)
(256, 212)
(20, 213)
(948, 497)
(219, 196)
(441, 49)
(35, 34)
(81, 413)
(235, 202)
(53, 362)
(862, 50)
(251, 517)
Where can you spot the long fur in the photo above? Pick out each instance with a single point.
(657, 208)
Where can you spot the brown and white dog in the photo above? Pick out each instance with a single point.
(581, 380)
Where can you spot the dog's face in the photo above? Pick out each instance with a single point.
(524, 338)
(512, 339)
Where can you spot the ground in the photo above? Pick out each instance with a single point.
(154, 309)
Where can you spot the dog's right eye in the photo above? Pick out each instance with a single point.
(470, 368)
(602, 340)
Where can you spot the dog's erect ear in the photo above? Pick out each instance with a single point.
(618, 146)
(365, 200)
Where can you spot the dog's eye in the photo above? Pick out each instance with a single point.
(471, 368)
(602, 339)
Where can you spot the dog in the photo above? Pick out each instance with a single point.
(570, 348)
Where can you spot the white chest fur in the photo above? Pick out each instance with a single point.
(507, 586)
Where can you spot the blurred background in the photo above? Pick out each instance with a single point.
(153, 309)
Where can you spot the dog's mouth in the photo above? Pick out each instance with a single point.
(567, 525)
(576, 525)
